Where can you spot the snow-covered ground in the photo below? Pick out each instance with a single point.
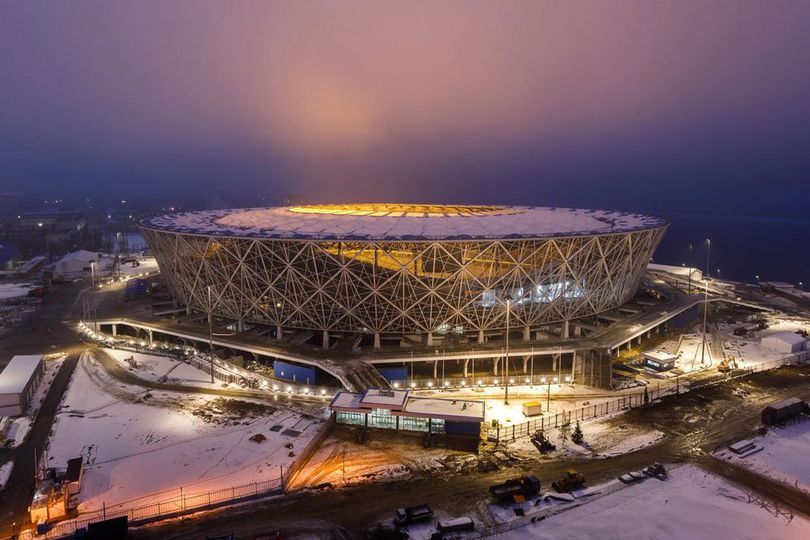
(147, 266)
(691, 504)
(784, 455)
(14, 290)
(5, 472)
(603, 438)
(154, 368)
(142, 446)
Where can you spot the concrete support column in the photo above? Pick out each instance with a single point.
(279, 332)
(649, 333)
(325, 340)
(481, 336)
(376, 340)
(429, 340)
(466, 363)
(564, 332)
(629, 344)
(114, 330)
(149, 333)
(495, 366)
(527, 334)
(577, 330)
(436, 369)
(658, 329)
(554, 359)
(525, 365)
(240, 326)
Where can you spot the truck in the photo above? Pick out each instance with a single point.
(412, 514)
(515, 488)
(569, 481)
(782, 410)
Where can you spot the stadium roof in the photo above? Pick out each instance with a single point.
(403, 222)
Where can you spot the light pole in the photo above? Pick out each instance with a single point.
(211, 332)
(705, 302)
(506, 360)
(689, 290)
(93, 296)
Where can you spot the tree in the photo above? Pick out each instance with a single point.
(565, 432)
(577, 437)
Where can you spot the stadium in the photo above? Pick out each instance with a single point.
(391, 273)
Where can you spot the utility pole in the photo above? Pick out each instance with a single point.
(211, 332)
(705, 303)
(689, 291)
(506, 365)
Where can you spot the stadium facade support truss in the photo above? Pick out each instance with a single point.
(396, 287)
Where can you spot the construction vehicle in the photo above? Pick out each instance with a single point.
(38, 292)
(516, 489)
(412, 514)
(541, 442)
(656, 470)
(569, 481)
(727, 364)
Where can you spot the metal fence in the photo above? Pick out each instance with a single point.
(163, 509)
(483, 381)
(635, 399)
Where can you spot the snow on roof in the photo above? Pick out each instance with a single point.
(402, 222)
(81, 255)
(18, 372)
(449, 409)
(403, 405)
(346, 400)
(376, 397)
(660, 355)
(785, 337)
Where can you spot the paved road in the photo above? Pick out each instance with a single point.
(696, 423)
(43, 332)
(114, 368)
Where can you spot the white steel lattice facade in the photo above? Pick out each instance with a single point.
(401, 269)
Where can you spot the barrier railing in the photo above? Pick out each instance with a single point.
(635, 399)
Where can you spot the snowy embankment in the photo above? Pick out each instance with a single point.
(5, 473)
(783, 456)
(144, 446)
(156, 368)
(603, 438)
(14, 290)
(690, 504)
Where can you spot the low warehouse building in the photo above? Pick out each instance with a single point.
(659, 360)
(395, 409)
(18, 382)
(784, 342)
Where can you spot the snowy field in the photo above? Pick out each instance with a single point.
(146, 266)
(784, 455)
(14, 290)
(162, 368)
(5, 473)
(691, 504)
(141, 447)
(603, 438)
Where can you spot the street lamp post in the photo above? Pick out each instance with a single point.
(93, 296)
(211, 332)
(506, 362)
(705, 302)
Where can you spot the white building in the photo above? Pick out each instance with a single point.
(784, 342)
(75, 265)
(18, 382)
(659, 359)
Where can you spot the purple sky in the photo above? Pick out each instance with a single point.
(622, 104)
